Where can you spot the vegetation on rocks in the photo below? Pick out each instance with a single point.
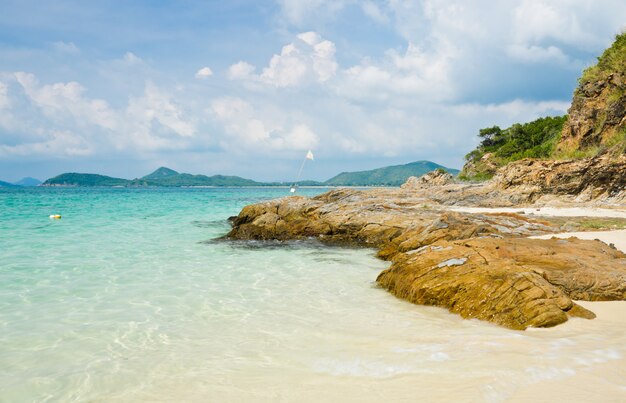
(498, 147)
(595, 123)
(613, 59)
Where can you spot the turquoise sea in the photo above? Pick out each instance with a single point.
(129, 297)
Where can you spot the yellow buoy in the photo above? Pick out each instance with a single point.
(55, 216)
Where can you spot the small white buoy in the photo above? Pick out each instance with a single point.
(55, 216)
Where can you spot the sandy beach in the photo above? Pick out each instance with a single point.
(550, 211)
(604, 382)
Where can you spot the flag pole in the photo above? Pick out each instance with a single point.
(309, 156)
(300, 171)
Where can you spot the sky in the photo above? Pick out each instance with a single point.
(247, 87)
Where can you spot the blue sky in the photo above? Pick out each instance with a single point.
(247, 87)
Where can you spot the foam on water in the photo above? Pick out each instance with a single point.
(126, 298)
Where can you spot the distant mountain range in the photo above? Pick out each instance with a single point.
(166, 177)
(28, 181)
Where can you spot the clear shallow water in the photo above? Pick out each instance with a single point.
(127, 299)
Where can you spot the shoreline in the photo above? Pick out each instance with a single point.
(505, 268)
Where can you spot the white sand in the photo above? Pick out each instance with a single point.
(549, 211)
(605, 382)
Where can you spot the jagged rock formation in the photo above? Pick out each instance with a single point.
(433, 178)
(597, 117)
(476, 265)
(598, 178)
(515, 283)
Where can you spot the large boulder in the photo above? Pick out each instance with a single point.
(438, 177)
(517, 283)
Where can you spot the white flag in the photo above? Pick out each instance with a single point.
(309, 155)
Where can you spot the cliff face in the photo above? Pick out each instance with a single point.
(598, 178)
(597, 117)
(595, 124)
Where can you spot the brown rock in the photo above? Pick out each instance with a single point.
(514, 282)
(438, 177)
(602, 177)
(476, 265)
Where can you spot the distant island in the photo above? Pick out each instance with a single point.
(166, 177)
(24, 182)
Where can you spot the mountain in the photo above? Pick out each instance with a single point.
(166, 177)
(388, 176)
(28, 181)
(161, 173)
(161, 177)
(170, 178)
(77, 179)
(7, 185)
(196, 180)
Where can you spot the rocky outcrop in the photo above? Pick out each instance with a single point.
(517, 283)
(597, 117)
(433, 178)
(483, 168)
(477, 265)
(602, 177)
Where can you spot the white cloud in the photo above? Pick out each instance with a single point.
(204, 72)
(61, 100)
(131, 58)
(268, 130)
(52, 144)
(62, 121)
(310, 38)
(373, 11)
(240, 71)
(537, 54)
(412, 73)
(516, 110)
(308, 59)
(156, 121)
(65, 47)
(538, 20)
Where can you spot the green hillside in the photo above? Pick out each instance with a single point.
(387, 176)
(170, 178)
(163, 177)
(78, 179)
(161, 173)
